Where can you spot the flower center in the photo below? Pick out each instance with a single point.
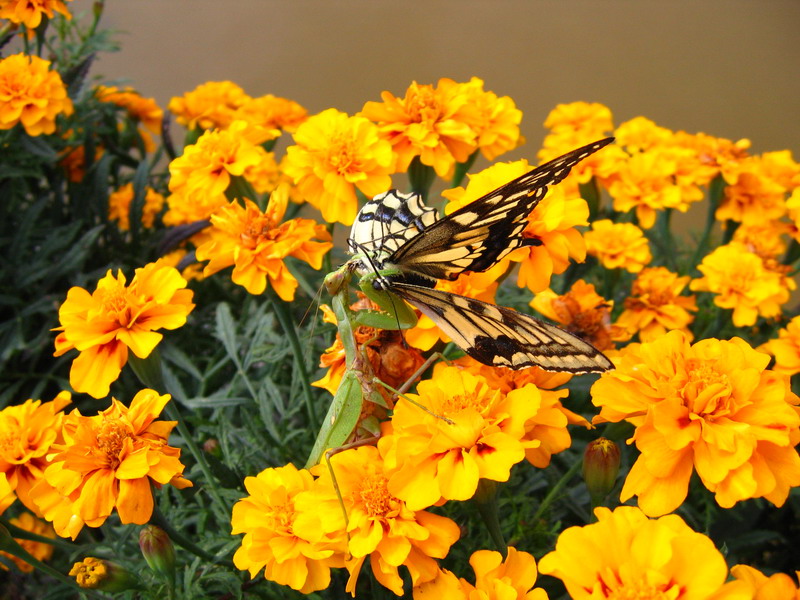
(707, 391)
(111, 440)
(342, 156)
(375, 496)
(258, 230)
(644, 591)
(9, 438)
(456, 403)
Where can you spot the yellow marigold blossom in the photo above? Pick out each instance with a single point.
(379, 525)
(711, 407)
(99, 574)
(199, 177)
(641, 134)
(495, 120)
(193, 271)
(781, 168)
(293, 553)
(741, 281)
(551, 226)
(626, 555)
(548, 427)
(31, 94)
(766, 239)
(646, 183)
(752, 196)
(107, 462)
(435, 459)
(257, 243)
(269, 115)
(481, 286)
(786, 349)
(584, 312)
(119, 206)
(30, 12)
(333, 155)
(38, 550)
(591, 119)
(429, 122)
(116, 318)
(778, 586)
(715, 155)
(618, 245)
(27, 434)
(655, 304)
(208, 106)
(495, 579)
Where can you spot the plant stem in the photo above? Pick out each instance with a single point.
(486, 500)
(158, 518)
(715, 191)
(555, 491)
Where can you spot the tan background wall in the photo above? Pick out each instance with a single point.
(726, 67)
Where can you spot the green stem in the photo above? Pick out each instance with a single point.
(665, 240)
(555, 491)
(486, 500)
(462, 169)
(590, 192)
(793, 253)
(715, 191)
(730, 228)
(421, 177)
(157, 518)
(287, 324)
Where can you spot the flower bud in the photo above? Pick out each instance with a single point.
(98, 574)
(158, 550)
(600, 468)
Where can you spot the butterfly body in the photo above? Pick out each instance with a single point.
(402, 248)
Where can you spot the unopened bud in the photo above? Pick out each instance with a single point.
(600, 468)
(98, 574)
(157, 550)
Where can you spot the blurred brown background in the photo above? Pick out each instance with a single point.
(726, 67)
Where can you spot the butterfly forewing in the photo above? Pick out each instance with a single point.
(478, 235)
(503, 337)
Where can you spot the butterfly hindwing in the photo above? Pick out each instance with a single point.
(500, 336)
(480, 234)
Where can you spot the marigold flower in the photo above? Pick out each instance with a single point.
(582, 311)
(7, 496)
(257, 243)
(119, 205)
(39, 550)
(618, 245)
(73, 160)
(31, 94)
(590, 118)
(140, 109)
(626, 555)
(781, 168)
(98, 574)
(710, 407)
(427, 122)
(108, 462)
(379, 525)
(552, 223)
(715, 155)
(27, 434)
(641, 134)
(752, 196)
(495, 579)
(655, 305)
(291, 552)
(114, 318)
(437, 459)
(270, 115)
(786, 349)
(778, 586)
(208, 106)
(600, 467)
(495, 120)
(740, 281)
(30, 12)
(333, 155)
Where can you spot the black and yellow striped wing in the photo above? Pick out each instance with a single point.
(502, 337)
(480, 234)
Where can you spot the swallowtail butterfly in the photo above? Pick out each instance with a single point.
(406, 247)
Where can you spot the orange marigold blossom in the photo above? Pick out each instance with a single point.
(39, 550)
(592, 119)
(551, 227)
(495, 120)
(379, 525)
(752, 196)
(711, 407)
(786, 349)
(31, 94)
(271, 114)
(618, 245)
(434, 459)
(479, 285)
(107, 462)
(209, 105)
(105, 324)
(28, 432)
(119, 206)
(256, 243)
(626, 555)
(584, 312)
(655, 304)
(641, 134)
(333, 155)
(293, 551)
(496, 578)
(144, 110)
(429, 122)
(30, 12)
(740, 280)
(778, 586)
